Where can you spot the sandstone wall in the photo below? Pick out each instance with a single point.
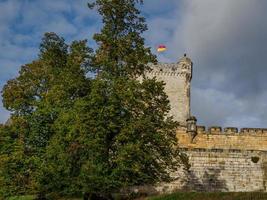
(229, 138)
(217, 170)
(221, 160)
(223, 170)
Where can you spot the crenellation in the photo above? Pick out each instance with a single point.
(230, 130)
(253, 130)
(166, 74)
(201, 129)
(215, 129)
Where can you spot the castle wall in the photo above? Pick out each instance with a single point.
(230, 138)
(223, 170)
(227, 160)
(217, 170)
(223, 160)
(220, 170)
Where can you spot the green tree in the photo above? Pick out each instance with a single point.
(42, 90)
(13, 171)
(91, 136)
(122, 50)
(119, 135)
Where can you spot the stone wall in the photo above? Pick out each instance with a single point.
(217, 170)
(229, 138)
(177, 77)
(226, 170)
(219, 160)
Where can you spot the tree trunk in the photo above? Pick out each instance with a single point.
(86, 196)
(94, 196)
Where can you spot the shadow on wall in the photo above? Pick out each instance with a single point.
(209, 182)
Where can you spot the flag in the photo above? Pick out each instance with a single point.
(161, 48)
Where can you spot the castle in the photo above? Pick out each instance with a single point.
(220, 159)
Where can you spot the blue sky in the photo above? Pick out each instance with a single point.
(227, 41)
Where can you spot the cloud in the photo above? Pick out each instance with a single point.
(4, 114)
(225, 39)
(23, 23)
(227, 43)
(8, 10)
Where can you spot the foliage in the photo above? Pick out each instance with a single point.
(121, 137)
(121, 49)
(43, 88)
(78, 135)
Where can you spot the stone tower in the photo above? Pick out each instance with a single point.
(177, 77)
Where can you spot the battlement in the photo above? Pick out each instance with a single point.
(216, 137)
(168, 69)
(232, 130)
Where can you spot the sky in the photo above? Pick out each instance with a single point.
(226, 40)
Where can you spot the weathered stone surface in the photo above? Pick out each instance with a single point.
(177, 77)
(220, 170)
(224, 140)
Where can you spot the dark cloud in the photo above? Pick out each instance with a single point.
(227, 41)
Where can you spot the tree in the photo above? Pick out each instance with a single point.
(121, 49)
(93, 136)
(43, 89)
(133, 140)
(14, 171)
(119, 135)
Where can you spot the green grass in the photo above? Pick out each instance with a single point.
(212, 196)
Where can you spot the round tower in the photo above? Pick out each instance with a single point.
(177, 78)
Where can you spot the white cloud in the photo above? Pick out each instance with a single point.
(4, 114)
(23, 23)
(61, 26)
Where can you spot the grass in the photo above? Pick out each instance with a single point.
(212, 196)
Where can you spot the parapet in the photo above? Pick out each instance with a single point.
(201, 129)
(216, 137)
(232, 130)
(215, 129)
(182, 68)
(253, 130)
(166, 69)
